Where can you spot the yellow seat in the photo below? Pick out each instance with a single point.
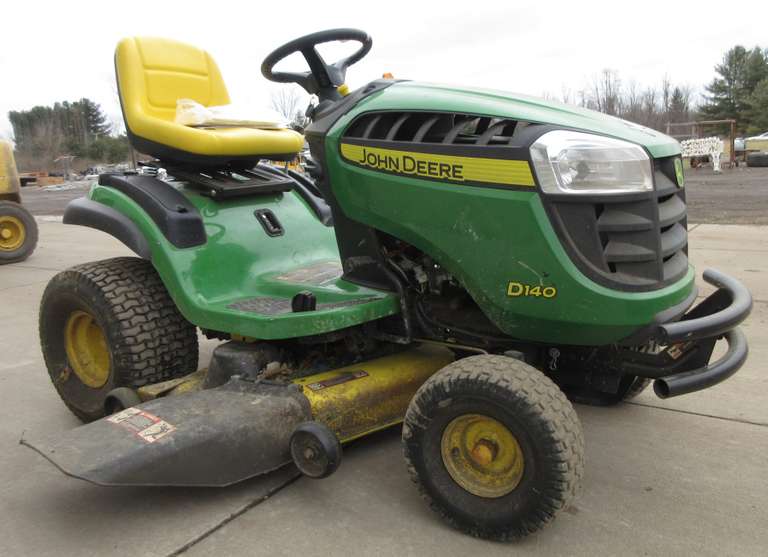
(152, 74)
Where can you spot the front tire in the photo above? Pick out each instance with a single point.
(111, 324)
(494, 447)
(18, 233)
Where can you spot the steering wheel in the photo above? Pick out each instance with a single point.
(323, 78)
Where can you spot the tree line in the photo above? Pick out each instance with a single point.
(42, 134)
(739, 91)
(649, 106)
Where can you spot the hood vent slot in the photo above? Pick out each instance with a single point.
(446, 128)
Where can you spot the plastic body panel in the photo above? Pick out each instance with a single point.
(213, 284)
(489, 237)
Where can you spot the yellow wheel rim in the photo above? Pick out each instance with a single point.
(87, 349)
(12, 233)
(482, 455)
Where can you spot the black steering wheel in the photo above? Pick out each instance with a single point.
(323, 78)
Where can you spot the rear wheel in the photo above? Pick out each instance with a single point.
(111, 324)
(18, 232)
(757, 159)
(494, 447)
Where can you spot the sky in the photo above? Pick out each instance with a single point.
(55, 51)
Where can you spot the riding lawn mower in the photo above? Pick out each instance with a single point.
(18, 229)
(464, 262)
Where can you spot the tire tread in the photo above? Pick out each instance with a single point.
(547, 406)
(154, 342)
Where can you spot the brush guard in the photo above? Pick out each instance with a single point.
(683, 366)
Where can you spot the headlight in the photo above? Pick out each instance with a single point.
(582, 163)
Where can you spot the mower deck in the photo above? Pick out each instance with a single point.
(188, 435)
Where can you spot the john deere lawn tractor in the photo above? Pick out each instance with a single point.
(461, 261)
(18, 229)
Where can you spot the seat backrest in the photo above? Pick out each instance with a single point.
(153, 73)
(9, 177)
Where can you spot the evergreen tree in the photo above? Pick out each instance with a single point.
(77, 128)
(679, 105)
(739, 74)
(96, 122)
(757, 111)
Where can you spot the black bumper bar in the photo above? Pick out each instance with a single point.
(731, 303)
(683, 366)
(708, 375)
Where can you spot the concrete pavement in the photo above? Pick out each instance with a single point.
(674, 477)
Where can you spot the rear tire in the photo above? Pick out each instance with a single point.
(757, 159)
(18, 233)
(111, 324)
(522, 457)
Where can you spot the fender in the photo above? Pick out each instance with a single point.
(84, 212)
(173, 214)
(234, 263)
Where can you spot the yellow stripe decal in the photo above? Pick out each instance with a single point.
(441, 167)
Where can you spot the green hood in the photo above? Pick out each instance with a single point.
(410, 95)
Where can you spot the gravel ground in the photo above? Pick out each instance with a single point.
(52, 200)
(737, 196)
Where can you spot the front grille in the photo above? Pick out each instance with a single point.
(628, 242)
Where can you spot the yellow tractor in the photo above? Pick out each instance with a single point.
(18, 229)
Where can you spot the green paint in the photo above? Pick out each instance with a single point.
(412, 95)
(240, 261)
(488, 237)
(485, 237)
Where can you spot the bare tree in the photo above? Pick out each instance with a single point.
(286, 101)
(44, 146)
(610, 92)
(666, 93)
(633, 106)
(651, 106)
(584, 100)
(604, 93)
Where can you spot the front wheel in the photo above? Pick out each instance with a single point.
(111, 324)
(494, 446)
